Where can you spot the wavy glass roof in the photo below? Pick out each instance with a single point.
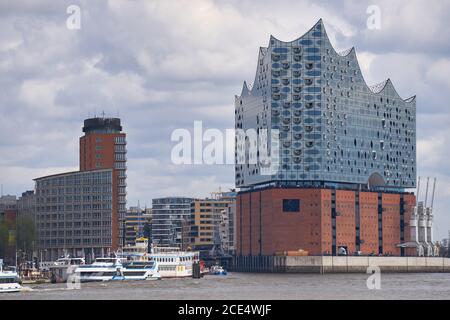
(376, 88)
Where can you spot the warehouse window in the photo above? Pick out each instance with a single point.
(291, 205)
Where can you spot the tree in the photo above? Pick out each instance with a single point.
(3, 237)
(26, 234)
(147, 231)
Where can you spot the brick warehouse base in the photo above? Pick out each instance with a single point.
(328, 264)
(321, 221)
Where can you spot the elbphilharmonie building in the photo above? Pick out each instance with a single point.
(345, 155)
(334, 129)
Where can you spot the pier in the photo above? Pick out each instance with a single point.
(339, 264)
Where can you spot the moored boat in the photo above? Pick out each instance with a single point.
(138, 270)
(173, 262)
(63, 268)
(217, 271)
(9, 281)
(102, 269)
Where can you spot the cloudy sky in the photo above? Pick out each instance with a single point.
(161, 65)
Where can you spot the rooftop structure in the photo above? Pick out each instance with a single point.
(333, 129)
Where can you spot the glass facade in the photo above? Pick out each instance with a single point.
(169, 216)
(332, 126)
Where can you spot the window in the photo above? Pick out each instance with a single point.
(291, 205)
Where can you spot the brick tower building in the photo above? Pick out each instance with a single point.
(103, 146)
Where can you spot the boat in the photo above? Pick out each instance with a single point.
(140, 247)
(138, 270)
(9, 281)
(217, 271)
(63, 268)
(173, 262)
(102, 269)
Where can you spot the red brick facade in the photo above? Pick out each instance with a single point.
(263, 228)
(97, 152)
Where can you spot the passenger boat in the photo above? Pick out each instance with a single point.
(63, 268)
(140, 247)
(9, 281)
(138, 270)
(172, 262)
(103, 269)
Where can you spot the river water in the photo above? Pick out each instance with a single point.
(248, 286)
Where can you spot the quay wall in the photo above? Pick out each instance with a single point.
(338, 264)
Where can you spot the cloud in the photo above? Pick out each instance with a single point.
(161, 65)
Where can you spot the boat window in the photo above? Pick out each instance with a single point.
(8, 280)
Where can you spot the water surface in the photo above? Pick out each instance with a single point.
(254, 286)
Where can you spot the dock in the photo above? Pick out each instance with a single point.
(339, 264)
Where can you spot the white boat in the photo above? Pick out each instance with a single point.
(217, 271)
(138, 270)
(140, 247)
(103, 269)
(63, 268)
(9, 281)
(172, 262)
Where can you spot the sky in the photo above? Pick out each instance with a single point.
(161, 65)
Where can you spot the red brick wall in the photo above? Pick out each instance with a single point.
(345, 220)
(280, 231)
(327, 237)
(88, 161)
(410, 202)
(310, 229)
(391, 223)
(368, 212)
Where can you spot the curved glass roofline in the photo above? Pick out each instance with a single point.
(375, 89)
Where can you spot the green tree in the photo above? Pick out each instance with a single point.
(3, 237)
(26, 234)
(147, 230)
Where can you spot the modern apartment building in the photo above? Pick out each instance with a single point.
(227, 229)
(341, 154)
(209, 228)
(26, 204)
(75, 215)
(83, 212)
(204, 223)
(170, 216)
(135, 221)
(8, 202)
